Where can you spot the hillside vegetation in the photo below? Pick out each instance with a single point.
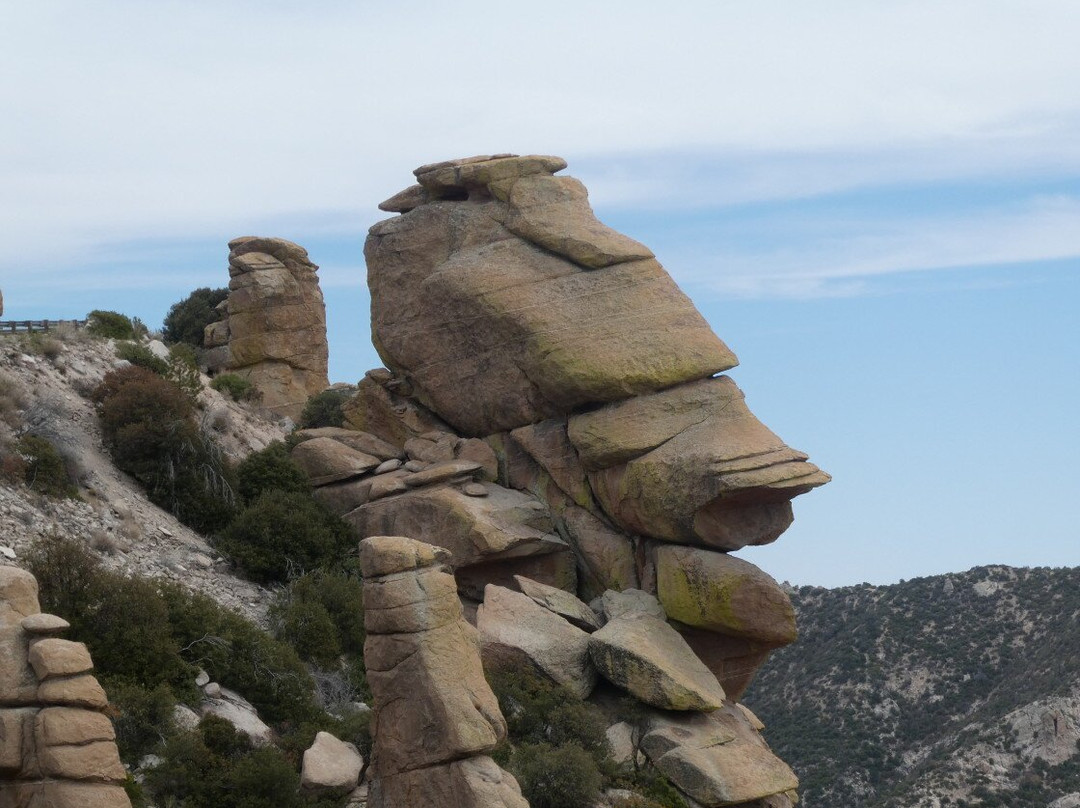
(955, 690)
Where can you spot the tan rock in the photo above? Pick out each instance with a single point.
(607, 554)
(514, 332)
(646, 657)
(44, 624)
(443, 472)
(52, 657)
(629, 603)
(557, 570)
(63, 795)
(73, 691)
(57, 726)
(481, 453)
(394, 418)
(326, 460)
(734, 661)
(692, 465)
(355, 439)
(548, 444)
(275, 323)
(504, 524)
(475, 782)
(720, 592)
(384, 555)
(18, 594)
(567, 606)
(716, 758)
(431, 702)
(330, 765)
(514, 628)
(97, 761)
(14, 734)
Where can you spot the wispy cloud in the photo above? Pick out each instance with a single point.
(852, 257)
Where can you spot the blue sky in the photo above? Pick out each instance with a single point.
(876, 204)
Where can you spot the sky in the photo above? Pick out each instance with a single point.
(875, 204)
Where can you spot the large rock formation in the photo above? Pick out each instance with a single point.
(274, 326)
(435, 717)
(554, 417)
(57, 745)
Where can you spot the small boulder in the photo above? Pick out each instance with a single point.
(330, 765)
(648, 658)
(564, 604)
(513, 627)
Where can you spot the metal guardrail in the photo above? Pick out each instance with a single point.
(28, 326)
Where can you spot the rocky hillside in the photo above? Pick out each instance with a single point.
(44, 383)
(954, 690)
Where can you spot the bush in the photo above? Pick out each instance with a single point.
(187, 320)
(184, 369)
(321, 615)
(280, 534)
(324, 409)
(149, 633)
(142, 716)
(138, 354)
(149, 429)
(269, 469)
(556, 777)
(235, 387)
(45, 470)
(540, 711)
(111, 324)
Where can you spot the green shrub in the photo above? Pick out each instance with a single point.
(45, 470)
(556, 777)
(324, 409)
(142, 716)
(187, 320)
(138, 354)
(148, 632)
(539, 711)
(111, 324)
(321, 615)
(269, 469)
(183, 369)
(281, 533)
(149, 429)
(236, 387)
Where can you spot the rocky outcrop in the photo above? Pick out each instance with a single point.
(435, 717)
(330, 765)
(273, 330)
(57, 745)
(555, 419)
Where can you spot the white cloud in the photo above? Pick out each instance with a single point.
(126, 120)
(846, 261)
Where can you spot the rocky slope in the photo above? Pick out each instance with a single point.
(954, 690)
(45, 382)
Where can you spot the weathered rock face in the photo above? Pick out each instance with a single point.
(57, 746)
(504, 301)
(434, 713)
(554, 417)
(274, 331)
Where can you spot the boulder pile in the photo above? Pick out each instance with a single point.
(57, 745)
(273, 330)
(552, 413)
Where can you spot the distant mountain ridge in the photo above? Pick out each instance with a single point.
(952, 690)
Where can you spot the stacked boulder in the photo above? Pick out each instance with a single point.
(434, 715)
(57, 745)
(273, 330)
(551, 412)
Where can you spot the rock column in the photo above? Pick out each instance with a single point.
(57, 746)
(435, 717)
(274, 331)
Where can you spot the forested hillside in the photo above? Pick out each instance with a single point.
(955, 690)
